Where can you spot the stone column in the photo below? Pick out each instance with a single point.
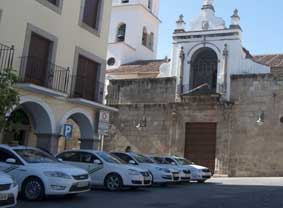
(91, 144)
(48, 142)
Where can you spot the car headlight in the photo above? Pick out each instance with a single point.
(56, 174)
(133, 172)
(163, 169)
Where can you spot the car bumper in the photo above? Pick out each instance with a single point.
(67, 186)
(138, 181)
(185, 177)
(203, 176)
(11, 195)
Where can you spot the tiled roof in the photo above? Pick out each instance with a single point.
(141, 66)
(272, 60)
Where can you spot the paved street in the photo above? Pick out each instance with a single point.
(217, 193)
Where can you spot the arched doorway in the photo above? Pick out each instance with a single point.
(204, 71)
(31, 124)
(83, 130)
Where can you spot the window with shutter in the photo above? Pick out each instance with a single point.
(91, 13)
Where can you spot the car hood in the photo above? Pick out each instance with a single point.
(150, 166)
(5, 179)
(127, 167)
(68, 169)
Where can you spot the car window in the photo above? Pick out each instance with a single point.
(124, 157)
(70, 156)
(141, 158)
(183, 161)
(5, 154)
(170, 160)
(108, 157)
(88, 157)
(161, 160)
(35, 156)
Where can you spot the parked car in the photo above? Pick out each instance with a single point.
(198, 173)
(160, 174)
(8, 191)
(38, 173)
(185, 173)
(106, 170)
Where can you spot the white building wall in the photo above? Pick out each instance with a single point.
(65, 26)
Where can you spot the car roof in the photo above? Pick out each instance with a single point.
(15, 147)
(82, 150)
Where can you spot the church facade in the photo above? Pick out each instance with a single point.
(213, 102)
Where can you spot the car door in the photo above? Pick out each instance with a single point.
(16, 170)
(94, 166)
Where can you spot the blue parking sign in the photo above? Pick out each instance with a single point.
(68, 131)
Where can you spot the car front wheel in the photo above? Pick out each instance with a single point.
(33, 189)
(113, 182)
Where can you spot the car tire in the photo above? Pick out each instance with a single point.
(33, 189)
(113, 182)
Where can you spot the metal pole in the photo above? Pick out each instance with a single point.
(101, 142)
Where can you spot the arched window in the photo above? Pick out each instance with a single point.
(121, 33)
(144, 37)
(204, 71)
(151, 41)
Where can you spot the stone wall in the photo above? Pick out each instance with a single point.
(257, 150)
(243, 148)
(155, 90)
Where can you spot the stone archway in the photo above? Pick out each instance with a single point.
(36, 123)
(85, 122)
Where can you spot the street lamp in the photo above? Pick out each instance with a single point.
(260, 120)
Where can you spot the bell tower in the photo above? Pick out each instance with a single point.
(134, 31)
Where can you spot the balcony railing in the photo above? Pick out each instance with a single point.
(44, 73)
(6, 57)
(84, 87)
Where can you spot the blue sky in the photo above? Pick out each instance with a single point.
(261, 21)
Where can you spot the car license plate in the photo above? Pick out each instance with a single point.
(82, 184)
(4, 197)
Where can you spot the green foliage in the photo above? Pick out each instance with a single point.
(8, 95)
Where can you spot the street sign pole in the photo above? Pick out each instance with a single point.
(101, 142)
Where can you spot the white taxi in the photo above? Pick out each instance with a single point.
(161, 175)
(8, 191)
(185, 173)
(106, 170)
(38, 173)
(198, 173)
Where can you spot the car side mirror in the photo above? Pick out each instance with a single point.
(97, 162)
(60, 160)
(132, 162)
(11, 161)
(173, 163)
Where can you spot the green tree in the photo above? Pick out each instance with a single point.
(9, 97)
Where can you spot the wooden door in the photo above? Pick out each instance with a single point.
(37, 60)
(201, 144)
(86, 80)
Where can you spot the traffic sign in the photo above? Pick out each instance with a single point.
(68, 131)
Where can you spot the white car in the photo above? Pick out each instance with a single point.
(106, 170)
(198, 173)
(185, 173)
(160, 174)
(8, 191)
(38, 173)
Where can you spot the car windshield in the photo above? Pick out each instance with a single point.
(160, 160)
(35, 156)
(141, 158)
(183, 161)
(109, 158)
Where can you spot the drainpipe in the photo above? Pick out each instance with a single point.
(182, 58)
